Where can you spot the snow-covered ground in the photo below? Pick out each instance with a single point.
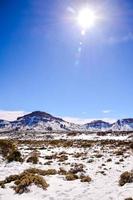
(104, 173)
(75, 135)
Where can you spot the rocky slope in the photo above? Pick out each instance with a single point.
(38, 121)
(42, 121)
(97, 125)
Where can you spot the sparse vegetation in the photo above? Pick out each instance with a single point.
(72, 165)
(28, 177)
(9, 151)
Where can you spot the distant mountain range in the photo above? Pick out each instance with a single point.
(42, 121)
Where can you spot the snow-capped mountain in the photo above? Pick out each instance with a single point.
(42, 121)
(97, 125)
(5, 124)
(123, 125)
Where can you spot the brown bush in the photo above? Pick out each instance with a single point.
(119, 153)
(8, 179)
(131, 145)
(86, 144)
(2, 184)
(85, 178)
(62, 158)
(76, 168)
(98, 155)
(71, 177)
(25, 179)
(49, 157)
(121, 160)
(14, 155)
(41, 172)
(6, 147)
(9, 151)
(126, 177)
(33, 159)
(48, 162)
(62, 171)
(109, 160)
(28, 179)
(130, 198)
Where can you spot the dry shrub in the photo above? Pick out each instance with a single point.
(86, 144)
(48, 162)
(67, 143)
(119, 153)
(50, 157)
(126, 177)
(26, 179)
(11, 178)
(72, 133)
(62, 158)
(109, 160)
(62, 152)
(78, 155)
(77, 168)
(131, 145)
(98, 155)
(62, 171)
(90, 161)
(41, 172)
(50, 172)
(71, 177)
(121, 160)
(33, 159)
(2, 184)
(8, 179)
(6, 147)
(9, 151)
(14, 156)
(101, 172)
(85, 178)
(117, 163)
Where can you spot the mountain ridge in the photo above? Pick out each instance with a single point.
(43, 121)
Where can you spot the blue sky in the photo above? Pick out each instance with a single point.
(40, 65)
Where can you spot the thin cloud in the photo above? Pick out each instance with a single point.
(86, 120)
(121, 39)
(106, 111)
(11, 115)
(83, 113)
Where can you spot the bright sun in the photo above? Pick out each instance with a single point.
(86, 19)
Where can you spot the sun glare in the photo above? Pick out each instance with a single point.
(86, 19)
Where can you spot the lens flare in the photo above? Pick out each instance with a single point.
(86, 19)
